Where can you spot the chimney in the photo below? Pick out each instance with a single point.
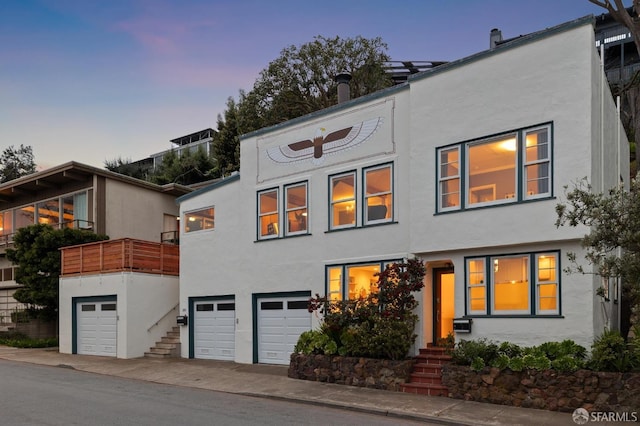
(343, 80)
(494, 38)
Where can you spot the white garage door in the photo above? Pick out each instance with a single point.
(97, 328)
(280, 323)
(215, 330)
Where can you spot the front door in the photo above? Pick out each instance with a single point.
(443, 300)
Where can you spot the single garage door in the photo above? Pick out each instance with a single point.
(214, 330)
(97, 328)
(280, 323)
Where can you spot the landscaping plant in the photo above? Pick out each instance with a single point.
(380, 325)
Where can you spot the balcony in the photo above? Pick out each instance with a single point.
(123, 255)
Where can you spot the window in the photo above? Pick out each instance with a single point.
(378, 197)
(504, 169)
(296, 208)
(343, 201)
(268, 215)
(351, 282)
(502, 285)
(199, 220)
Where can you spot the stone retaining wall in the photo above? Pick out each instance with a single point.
(353, 371)
(548, 389)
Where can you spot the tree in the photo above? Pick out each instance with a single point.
(185, 168)
(301, 80)
(613, 243)
(138, 170)
(37, 256)
(16, 162)
(226, 145)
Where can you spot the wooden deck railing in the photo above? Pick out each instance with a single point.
(121, 255)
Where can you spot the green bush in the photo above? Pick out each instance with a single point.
(501, 362)
(378, 326)
(466, 351)
(516, 364)
(20, 341)
(477, 364)
(567, 363)
(609, 352)
(315, 342)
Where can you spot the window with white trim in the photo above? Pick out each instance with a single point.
(503, 169)
(522, 284)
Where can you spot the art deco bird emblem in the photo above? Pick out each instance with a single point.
(322, 145)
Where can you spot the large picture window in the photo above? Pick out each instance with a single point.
(268, 214)
(523, 284)
(508, 168)
(352, 282)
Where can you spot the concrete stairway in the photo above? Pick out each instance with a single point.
(426, 378)
(167, 347)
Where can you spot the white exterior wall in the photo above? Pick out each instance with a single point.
(134, 213)
(550, 79)
(142, 301)
(240, 265)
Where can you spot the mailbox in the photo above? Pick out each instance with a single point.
(182, 320)
(462, 325)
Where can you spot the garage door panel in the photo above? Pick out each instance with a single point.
(280, 323)
(214, 330)
(97, 328)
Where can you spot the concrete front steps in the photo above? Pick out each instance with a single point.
(167, 347)
(426, 378)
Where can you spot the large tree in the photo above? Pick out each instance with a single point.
(301, 79)
(37, 256)
(185, 168)
(16, 162)
(613, 243)
(226, 146)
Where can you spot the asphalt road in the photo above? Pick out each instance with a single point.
(42, 395)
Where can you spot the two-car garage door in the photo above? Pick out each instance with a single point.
(281, 320)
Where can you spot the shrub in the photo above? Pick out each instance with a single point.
(567, 363)
(516, 364)
(466, 351)
(509, 349)
(21, 341)
(477, 364)
(315, 342)
(501, 362)
(609, 352)
(378, 326)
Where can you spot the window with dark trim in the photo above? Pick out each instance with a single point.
(283, 218)
(503, 169)
(353, 281)
(515, 284)
(268, 214)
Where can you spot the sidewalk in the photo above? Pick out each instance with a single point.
(270, 381)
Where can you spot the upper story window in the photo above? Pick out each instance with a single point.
(199, 220)
(376, 197)
(69, 211)
(296, 208)
(268, 214)
(508, 168)
(343, 200)
(525, 284)
(378, 194)
(285, 218)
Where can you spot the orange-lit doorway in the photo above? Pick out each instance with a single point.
(443, 302)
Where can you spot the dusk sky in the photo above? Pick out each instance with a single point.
(90, 81)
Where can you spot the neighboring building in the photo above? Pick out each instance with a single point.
(620, 53)
(79, 196)
(462, 166)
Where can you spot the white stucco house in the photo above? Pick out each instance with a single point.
(462, 167)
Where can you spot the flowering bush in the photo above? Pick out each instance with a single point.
(380, 325)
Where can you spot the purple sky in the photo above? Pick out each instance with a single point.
(90, 80)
